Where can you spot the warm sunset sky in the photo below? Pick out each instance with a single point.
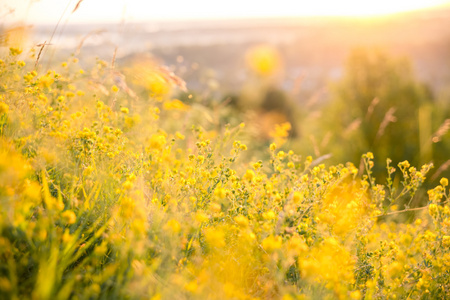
(49, 11)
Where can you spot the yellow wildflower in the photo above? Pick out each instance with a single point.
(175, 105)
(249, 175)
(263, 60)
(4, 108)
(173, 225)
(69, 217)
(271, 243)
(241, 221)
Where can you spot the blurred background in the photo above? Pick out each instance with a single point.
(327, 79)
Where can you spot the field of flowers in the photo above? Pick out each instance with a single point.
(111, 188)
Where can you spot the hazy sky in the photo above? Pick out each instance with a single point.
(49, 11)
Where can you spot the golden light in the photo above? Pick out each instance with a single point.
(50, 11)
(365, 8)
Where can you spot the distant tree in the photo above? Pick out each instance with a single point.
(379, 106)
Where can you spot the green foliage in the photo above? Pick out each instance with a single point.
(380, 106)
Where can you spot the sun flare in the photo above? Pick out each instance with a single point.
(364, 8)
(49, 11)
(285, 8)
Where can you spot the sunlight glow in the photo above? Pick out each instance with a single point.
(365, 8)
(49, 11)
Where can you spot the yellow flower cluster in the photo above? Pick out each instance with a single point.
(107, 195)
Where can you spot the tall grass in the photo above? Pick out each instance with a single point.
(113, 188)
(108, 194)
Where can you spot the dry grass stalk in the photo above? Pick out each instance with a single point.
(113, 61)
(371, 107)
(85, 37)
(120, 81)
(170, 77)
(57, 25)
(320, 159)
(441, 169)
(315, 98)
(315, 146)
(326, 139)
(445, 127)
(352, 127)
(40, 52)
(77, 6)
(388, 118)
(361, 167)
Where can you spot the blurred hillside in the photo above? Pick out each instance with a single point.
(313, 49)
(298, 77)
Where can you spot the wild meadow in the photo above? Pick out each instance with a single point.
(118, 183)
